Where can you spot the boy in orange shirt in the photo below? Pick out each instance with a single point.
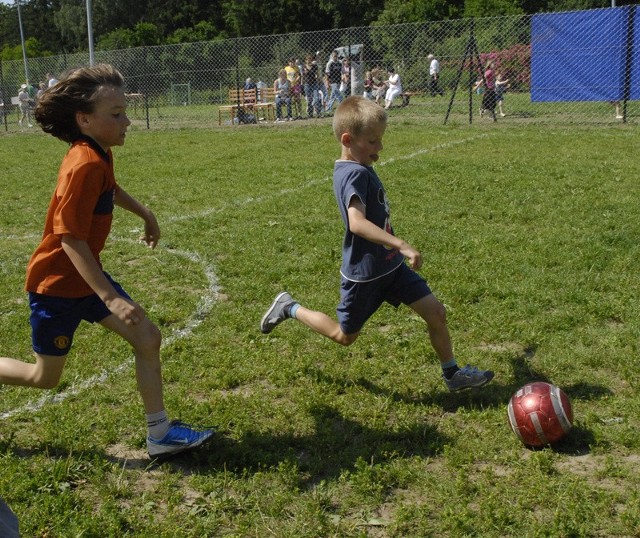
(65, 280)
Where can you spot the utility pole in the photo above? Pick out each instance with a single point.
(24, 50)
(90, 32)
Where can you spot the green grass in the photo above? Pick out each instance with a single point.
(530, 237)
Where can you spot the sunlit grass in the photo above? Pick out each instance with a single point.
(529, 236)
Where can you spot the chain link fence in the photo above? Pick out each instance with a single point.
(573, 67)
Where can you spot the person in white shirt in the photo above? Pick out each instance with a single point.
(394, 87)
(25, 106)
(51, 80)
(434, 76)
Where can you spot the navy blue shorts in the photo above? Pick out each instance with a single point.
(54, 320)
(359, 300)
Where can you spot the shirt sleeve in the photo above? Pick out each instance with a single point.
(78, 193)
(355, 184)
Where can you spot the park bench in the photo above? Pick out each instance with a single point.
(245, 102)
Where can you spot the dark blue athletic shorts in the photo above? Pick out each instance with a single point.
(54, 320)
(359, 300)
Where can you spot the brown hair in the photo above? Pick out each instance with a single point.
(77, 90)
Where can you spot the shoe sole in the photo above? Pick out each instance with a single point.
(474, 386)
(266, 316)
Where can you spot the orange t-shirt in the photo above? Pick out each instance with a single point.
(82, 206)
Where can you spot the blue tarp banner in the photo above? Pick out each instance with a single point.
(584, 55)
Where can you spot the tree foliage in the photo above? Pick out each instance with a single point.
(61, 25)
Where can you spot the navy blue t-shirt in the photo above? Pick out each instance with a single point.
(363, 260)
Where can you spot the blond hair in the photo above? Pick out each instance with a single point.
(355, 115)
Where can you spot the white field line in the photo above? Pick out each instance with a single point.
(283, 192)
(197, 317)
(206, 302)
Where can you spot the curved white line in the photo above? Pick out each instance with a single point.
(197, 317)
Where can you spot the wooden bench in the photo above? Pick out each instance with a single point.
(406, 97)
(249, 102)
(267, 103)
(135, 99)
(236, 99)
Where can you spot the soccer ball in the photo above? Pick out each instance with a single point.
(540, 414)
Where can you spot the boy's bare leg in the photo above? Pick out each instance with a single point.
(434, 314)
(44, 373)
(456, 378)
(145, 338)
(164, 438)
(324, 325)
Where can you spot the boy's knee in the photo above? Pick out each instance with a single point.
(439, 315)
(150, 337)
(435, 314)
(40, 380)
(346, 339)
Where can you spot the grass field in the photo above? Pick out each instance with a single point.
(530, 237)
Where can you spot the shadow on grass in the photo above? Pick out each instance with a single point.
(339, 443)
(494, 395)
(336, 445)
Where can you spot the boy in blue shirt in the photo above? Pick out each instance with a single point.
(373, 259)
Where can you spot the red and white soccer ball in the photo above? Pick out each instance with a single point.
(540, 414)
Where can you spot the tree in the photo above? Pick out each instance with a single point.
(402, 11)
(32, 47)
(71, 21)
(491, 8)
(203, 31)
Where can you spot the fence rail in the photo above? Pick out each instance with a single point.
(573, 67)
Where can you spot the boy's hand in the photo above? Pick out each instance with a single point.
(151, 231)
(413, 256)
(125, 310)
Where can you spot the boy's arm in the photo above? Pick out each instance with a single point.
(80, 255)
(362, 227)
(151, 228)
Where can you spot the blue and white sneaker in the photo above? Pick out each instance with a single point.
(277, 312)
(467, 378)
(179, 438)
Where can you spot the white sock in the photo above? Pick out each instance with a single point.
(158, 424)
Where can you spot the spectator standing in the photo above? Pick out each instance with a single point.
(478, 88)
(51, 80)
(345, 86)
(434, 76)
(616, 105)
(311, 85)
(368, 85)
(41, 89)
(501, 86)
(333, 72)
(489, 95)
(25, 106)
(293, 75)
